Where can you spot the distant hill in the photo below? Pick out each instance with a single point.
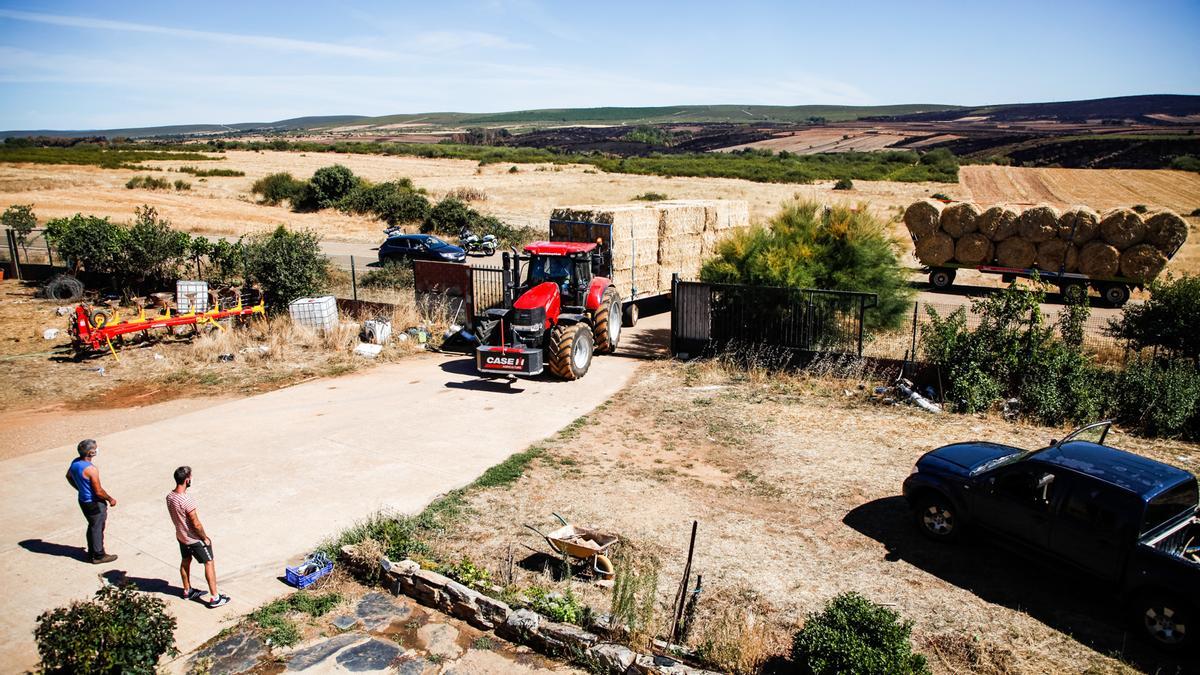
(294, 124)
(1138, 108)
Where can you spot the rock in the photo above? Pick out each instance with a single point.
(576, 639)
(50, 334)
(492, 609)
(431, 579)
(614, 658)
(379, 611)
(664, 665)
(345, 622)
(519, 626)
(374, 655)
(440, 639)
(237, 653)
(412, 667)
(406, 567)
(303, 659)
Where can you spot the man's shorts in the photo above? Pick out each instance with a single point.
(196, 550)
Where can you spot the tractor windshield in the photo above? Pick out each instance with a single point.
(554, 268)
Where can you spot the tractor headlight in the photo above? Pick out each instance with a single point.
(527, 327)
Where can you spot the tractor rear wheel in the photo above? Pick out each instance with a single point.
(607, 322)
(570, 350)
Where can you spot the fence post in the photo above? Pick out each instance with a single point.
(353, 279)
(49, 252)
(862, 311)
(11, 237)
(674, 311)
(913, 351)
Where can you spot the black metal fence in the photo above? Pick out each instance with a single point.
(709, 318)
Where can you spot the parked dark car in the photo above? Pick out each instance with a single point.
(406, 247)
(1127, 520)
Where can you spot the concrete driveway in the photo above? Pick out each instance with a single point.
(275, 474)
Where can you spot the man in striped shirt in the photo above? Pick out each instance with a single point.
(193, 540)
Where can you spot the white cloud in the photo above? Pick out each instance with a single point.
(445, 41)
(262, 41)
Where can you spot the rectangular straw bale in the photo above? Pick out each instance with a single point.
(731, 214)
(641, 280)
(681, 217)
(634, 230)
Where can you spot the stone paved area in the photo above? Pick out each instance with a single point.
(379, 634)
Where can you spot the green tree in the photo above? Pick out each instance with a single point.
(1169, 320)
(20, 219)
(288, 264)
(154, 253)
(807, 245)
(855, 636)
(449, 216)
(328, 186)
(88, 242)
(120, 631)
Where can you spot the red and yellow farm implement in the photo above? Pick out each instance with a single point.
(94, 330)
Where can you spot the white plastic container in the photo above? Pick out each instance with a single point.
(316, 313)
(376, 331)
(191, 295)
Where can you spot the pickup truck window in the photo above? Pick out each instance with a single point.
(1098, 509)
(1169, 505)
(1029, 485)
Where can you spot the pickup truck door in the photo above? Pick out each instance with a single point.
(1096, 527)
(1017, 501)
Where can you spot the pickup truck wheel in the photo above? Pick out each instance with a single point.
(937, 518)
(1166, 621)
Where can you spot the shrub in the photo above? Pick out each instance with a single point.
(844, 184)
(328, 186)
(390, 275)
(635, 593)
(20, 219)
(650, 197)
(153, 253)
(277, 188)
(449, 216)
(807, 245)
(1160, 398)
(1170, 319)
(148, 182)
(288, 263)
(854, 635)
(468, 194)
(88, 242)
(205, 173)
(1186, 163)
(181, 184)
(277, 628)
(513, 169)
(467, 573)
(120, 631)
(393, 202)
(1140, 208)
(562, 607)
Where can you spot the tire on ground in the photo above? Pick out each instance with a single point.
(605, 322)
(564, 340)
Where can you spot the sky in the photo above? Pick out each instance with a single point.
(98, 64)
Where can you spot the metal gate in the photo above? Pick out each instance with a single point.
(710, 318)
(473, 289)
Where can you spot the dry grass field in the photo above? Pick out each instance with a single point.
(795, 483)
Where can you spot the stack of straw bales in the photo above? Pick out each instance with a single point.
(1118, 244)
(651, 242)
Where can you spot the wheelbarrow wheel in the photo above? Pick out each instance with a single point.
(603, 566)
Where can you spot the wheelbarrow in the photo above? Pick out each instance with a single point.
(584, 544)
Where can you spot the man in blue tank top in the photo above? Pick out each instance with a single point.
(84, 476)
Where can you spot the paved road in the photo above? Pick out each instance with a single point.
(274, 475)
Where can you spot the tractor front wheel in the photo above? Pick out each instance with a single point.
(570, 350)
(607, 322)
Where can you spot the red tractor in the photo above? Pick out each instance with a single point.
(564, 310)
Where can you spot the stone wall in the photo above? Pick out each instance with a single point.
(524, 626)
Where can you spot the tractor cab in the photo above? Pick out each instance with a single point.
(569, 265)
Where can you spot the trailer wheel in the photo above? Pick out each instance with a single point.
(1073, 293)
(607, 326)
(570, 350)
(1116, 295)
(629, 317)
(941, 279)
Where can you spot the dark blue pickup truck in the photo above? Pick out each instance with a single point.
(1127, 520)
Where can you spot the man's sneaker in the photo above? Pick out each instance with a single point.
(104, 559)
(193, 594)
(216, 602)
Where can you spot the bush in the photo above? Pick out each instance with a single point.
(181, 184)
(153, 253)
(807, 245)
(121, 631)
(449, 216)
(393, 202)
(288, 264)
(650, 197)
(1140, 208)
(390, 275)
(20, 219)
(149, 183)
(1160, 398)
(1186, 163)
(278, 188)
(854, 635)
(562, 607)
(88, 242)
(206, 173)
(844, 184)
(1169, 320)
(328, 186)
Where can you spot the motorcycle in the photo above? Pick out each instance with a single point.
(473, 244)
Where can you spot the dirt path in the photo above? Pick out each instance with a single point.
(274, 475)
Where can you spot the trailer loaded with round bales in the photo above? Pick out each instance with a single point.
(1076, 249)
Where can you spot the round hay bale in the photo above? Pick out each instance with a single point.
(959, 219)
(1038, 224)
(1098, 259)
(923, 218)
(935, 249)
(973, 249)
(1079, 225)
(1166, 231)
(1015, 252)
(1142, 262)
(1122, 228)
(1057, 255)
(997, 223)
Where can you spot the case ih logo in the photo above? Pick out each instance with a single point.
(502, 362)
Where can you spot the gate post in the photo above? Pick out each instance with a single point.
(11, 237)
(674, 311)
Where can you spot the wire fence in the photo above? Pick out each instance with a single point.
(908, 340)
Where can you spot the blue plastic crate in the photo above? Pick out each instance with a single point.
(293, 576)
